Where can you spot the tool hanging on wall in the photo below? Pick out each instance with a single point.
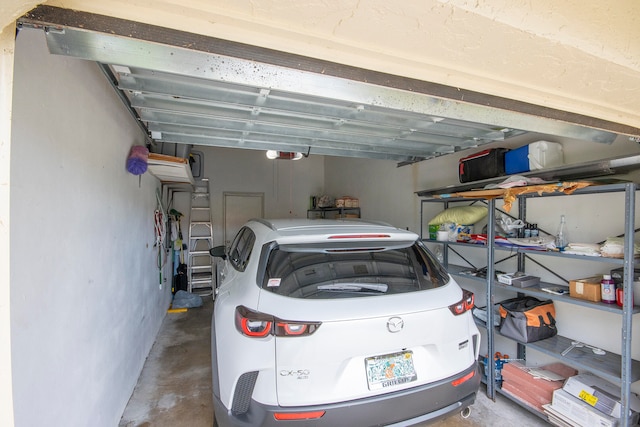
(180, 281)
(160, 228)
(176, 233)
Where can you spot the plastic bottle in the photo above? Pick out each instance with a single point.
(608, 289)
(439, 255)
(534, 230)
(527, 231)
(561, 236)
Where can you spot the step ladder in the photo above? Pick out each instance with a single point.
(200, 267)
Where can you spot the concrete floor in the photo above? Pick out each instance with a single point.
(174, 388)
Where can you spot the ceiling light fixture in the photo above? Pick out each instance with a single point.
(284, 155)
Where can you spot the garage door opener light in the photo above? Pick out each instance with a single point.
(284, 155)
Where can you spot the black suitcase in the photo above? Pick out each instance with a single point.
(482, 165)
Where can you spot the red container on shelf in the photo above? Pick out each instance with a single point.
(620, 296)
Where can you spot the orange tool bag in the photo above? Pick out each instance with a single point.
(527, 319)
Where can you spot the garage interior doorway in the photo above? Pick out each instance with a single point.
(238, 208)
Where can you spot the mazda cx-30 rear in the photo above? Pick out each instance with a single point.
(338, 323)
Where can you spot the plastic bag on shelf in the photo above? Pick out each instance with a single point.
(507, 226)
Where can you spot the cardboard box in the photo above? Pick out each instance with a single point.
(528, 385)
(531, 402)
(579, 412)
(587, 288)
(599, 394)
(557, 419)
(533, 392)
(347, 202)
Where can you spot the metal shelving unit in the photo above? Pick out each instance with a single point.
(620, 368)
(331, 213)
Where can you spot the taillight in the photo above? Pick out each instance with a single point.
(464, 305)
(360, 236)
(463, 379)
(259, 325)
(288, 416)
(253, 324)
(295, 329)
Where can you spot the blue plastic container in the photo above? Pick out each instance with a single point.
(517, 160)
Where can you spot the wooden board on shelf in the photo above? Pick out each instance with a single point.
(509, 195)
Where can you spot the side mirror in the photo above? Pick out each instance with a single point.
(219, 252)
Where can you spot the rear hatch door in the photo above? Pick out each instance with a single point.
(370, 346)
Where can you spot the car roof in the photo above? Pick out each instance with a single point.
(323, 228)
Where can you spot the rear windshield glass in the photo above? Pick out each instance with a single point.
(308, 272)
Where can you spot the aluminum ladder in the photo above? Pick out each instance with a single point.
(200, 268)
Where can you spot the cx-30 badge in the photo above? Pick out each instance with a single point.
(395, 324)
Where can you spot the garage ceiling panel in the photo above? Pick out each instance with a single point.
(218, 113)
(182, 90)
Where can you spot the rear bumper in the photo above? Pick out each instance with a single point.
(401, 408)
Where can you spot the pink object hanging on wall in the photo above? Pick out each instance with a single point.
(137, 160)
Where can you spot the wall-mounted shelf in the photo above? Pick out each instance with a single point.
(587, 170)
(170, 169)
(333, 213)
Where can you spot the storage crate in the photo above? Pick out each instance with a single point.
(534, 156)
(347, 202)
(483, 165)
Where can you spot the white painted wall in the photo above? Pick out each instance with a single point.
(287, 185)
(85, 297)
(7, 45)
(384, 191)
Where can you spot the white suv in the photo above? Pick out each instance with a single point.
(338, 323)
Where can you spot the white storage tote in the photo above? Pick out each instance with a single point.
(536, 155)
(544, 154)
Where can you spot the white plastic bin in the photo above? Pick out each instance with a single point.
(545, 154)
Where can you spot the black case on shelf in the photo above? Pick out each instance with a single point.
(482, 165)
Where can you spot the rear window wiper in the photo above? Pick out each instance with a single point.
(355, 287)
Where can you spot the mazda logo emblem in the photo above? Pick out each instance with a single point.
(395, 324)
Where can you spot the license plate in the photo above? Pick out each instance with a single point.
(390, 369)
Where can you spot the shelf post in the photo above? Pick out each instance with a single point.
(522, 214)
(491, 234)
(627, 306)
(422, 202)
